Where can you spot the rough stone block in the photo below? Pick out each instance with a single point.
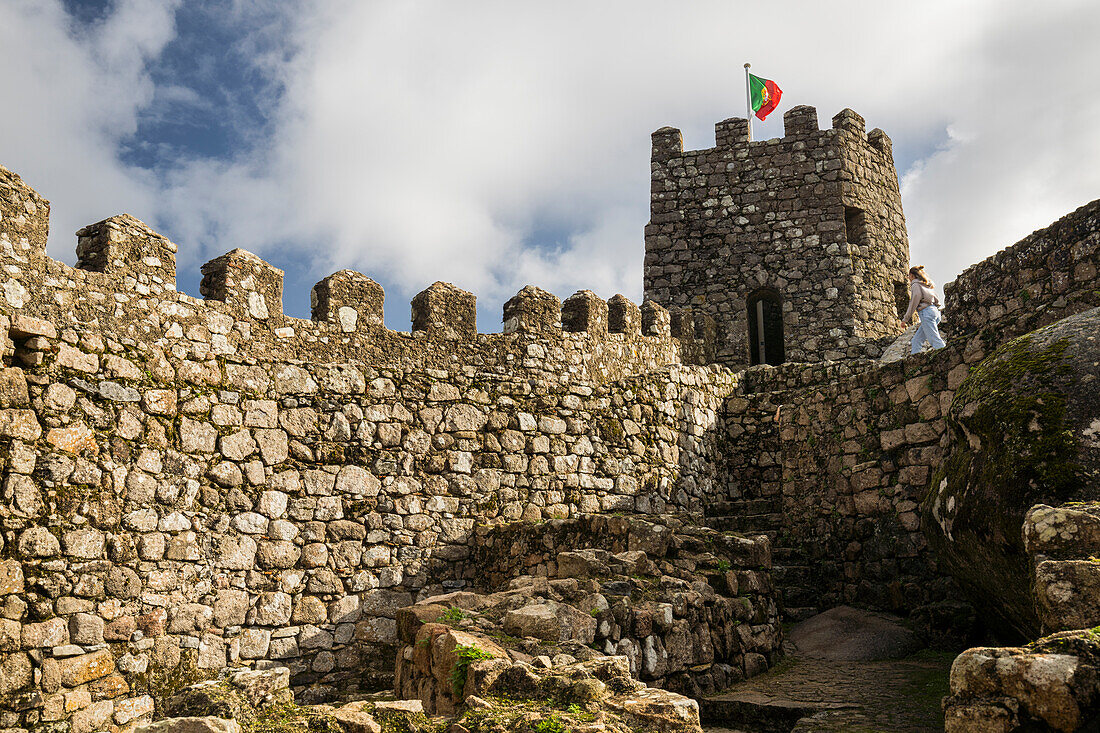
(623, 316)
(667, 142)
(800, 120)
(656, 320)
(24, 215)
(128, 249)
(879, 139)
(584, 311)
(245, 283)
(682, 324)
(349, 299)
(849, 120)
(77, 671)
(533, 310)
(445, 311)
(728, 133)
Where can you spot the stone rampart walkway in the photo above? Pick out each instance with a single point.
(902, 696)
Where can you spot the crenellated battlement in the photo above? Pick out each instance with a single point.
(124, 282)
(798, 123)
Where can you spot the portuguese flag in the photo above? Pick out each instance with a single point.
(765, 95)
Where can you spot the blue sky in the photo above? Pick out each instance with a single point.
(497, 144)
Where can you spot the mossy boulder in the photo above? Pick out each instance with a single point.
(1024, 429)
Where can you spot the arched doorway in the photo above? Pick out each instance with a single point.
(765, 315)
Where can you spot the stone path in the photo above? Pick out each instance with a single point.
(818, 695)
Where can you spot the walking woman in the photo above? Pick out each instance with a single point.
(926, 305)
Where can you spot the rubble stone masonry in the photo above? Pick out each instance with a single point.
(190, 484)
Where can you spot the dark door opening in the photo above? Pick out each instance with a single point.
(765, 314)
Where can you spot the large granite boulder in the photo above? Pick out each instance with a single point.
(1024, 429)
(1049, 685)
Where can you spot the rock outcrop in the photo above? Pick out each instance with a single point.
(1024, 430)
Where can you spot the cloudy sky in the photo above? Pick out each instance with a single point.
(496, 144)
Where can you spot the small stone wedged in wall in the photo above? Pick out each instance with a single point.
(349, 299)
(245, 283)
(533, 310)
(445, 310)
(124, 247)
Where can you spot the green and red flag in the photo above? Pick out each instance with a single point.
(765, 95)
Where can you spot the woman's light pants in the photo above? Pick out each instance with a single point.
(929, 330)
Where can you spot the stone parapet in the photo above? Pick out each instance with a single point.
(1048, 275)
(445, 310)
(125, 283)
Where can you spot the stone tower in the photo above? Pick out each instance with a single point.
(792, 249)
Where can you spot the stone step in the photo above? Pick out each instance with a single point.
(784, 575)
(787, 555)
(771, 534)
(798, 595)
(753, 712)
(746, 522)
(799, 613)
(743, 506)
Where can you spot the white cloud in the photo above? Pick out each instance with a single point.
(429, 140)
(70, 97)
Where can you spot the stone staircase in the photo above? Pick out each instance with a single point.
(763, 515)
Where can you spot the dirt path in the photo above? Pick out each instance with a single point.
(817, 695)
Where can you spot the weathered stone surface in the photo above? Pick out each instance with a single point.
(551, 621)
(86, 668)
(1039, 687)
(849, 634)
(190, 725)
(1038, 395)
(220, 483)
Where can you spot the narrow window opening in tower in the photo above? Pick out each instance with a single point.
(855, 226)
(765, 319)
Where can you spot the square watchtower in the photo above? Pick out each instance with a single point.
(795, 246)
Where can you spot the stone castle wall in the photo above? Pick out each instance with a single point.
(844, 451)
(190, 484)
(124, 284)
(813, 217)
(161, 516)
(1048, 275)
(847, 461)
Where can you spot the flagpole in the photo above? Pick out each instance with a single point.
(748, 101)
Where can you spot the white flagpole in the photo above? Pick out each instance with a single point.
(748, 101)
